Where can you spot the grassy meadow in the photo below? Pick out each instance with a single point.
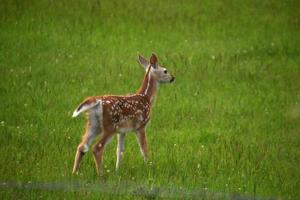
(229, 127)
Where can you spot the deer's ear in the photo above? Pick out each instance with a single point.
(153, 60)
(143, 61)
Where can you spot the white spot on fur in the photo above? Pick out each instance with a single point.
(85, 148)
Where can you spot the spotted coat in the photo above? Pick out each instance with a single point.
(125, 113)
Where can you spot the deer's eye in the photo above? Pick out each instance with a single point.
(165, 71)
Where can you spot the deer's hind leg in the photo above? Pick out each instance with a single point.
(93, 128)
(99, 148)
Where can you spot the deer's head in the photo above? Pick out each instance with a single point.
(159, 72)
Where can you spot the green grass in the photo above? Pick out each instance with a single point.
(229, 124)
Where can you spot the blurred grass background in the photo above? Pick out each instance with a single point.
(229, 124)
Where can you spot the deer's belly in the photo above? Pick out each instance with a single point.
(128, 125)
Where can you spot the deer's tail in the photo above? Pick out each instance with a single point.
(87, 104)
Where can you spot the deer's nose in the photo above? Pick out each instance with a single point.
(172, 79)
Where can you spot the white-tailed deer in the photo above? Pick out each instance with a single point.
(109, 114)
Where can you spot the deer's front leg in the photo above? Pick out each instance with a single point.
(142, 140)
(120, 149)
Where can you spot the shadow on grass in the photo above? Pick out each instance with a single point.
(128, 188)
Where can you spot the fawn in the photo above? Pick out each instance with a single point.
(110, 114)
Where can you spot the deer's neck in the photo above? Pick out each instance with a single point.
(149, 86)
